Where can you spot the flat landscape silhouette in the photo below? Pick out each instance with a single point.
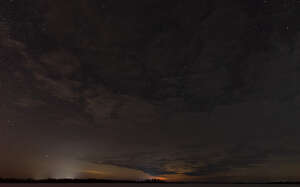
(156, 181)
(10, 180)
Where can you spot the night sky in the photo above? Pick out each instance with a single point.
(179, 90)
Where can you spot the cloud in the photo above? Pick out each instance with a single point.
(29, 102)
(172, 96)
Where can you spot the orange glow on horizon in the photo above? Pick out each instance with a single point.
(178, 178)
(96, 172)
(160, 178)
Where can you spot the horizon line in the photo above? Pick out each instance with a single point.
(87, 180)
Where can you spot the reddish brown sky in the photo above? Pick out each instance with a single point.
(173, 89)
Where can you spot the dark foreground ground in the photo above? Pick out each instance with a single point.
(128, 181)
(75, 181)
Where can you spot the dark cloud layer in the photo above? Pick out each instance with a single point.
(171, 88)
